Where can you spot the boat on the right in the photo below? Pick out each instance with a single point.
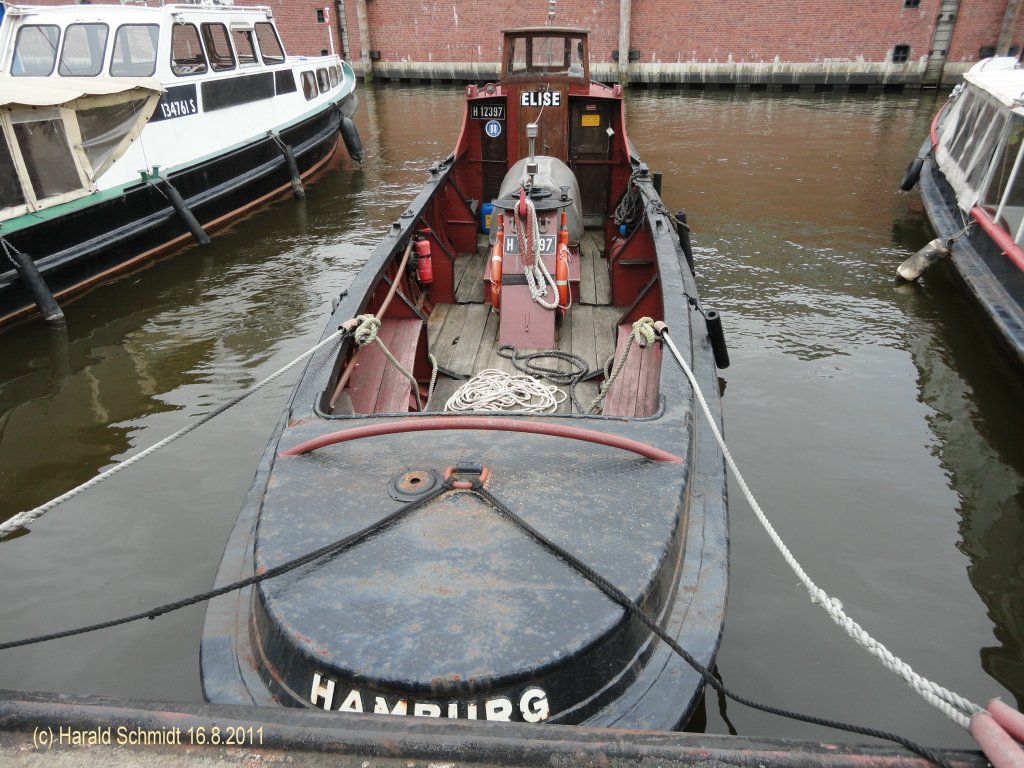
(972, 185)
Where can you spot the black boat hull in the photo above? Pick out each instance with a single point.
(991, 279)
(95, 242)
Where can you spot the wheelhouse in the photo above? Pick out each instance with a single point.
(137, 42)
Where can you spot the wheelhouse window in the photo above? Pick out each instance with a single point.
(218, 47)
(269, 42)
(245, 45)
(84, 47)
(35, 50)
(187, 57)
(545, 56)
(135, 47)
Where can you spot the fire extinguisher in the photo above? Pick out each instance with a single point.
(424, 262)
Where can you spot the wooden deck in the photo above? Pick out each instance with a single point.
(464, 336)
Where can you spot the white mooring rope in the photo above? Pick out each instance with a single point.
(22, 519)
(954, 706)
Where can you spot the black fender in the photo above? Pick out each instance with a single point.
(350, 135)
(912, 174)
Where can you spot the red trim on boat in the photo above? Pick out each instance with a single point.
(999, 236)
(495, 423)
(934, 130)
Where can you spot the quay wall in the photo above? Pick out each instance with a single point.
(736, 44)
(786, 44)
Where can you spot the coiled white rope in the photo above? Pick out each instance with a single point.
(22, 519)
(954, 706)
(494, 390)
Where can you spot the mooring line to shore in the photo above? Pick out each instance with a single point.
(22, 519)
(957, 708)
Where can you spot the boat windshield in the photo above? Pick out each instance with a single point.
(545, 56)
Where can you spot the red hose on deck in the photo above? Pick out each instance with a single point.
(491, 423)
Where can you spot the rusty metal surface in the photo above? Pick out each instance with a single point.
(268, 736)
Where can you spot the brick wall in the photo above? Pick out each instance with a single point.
(977, 25)
(297, 23)
(801, 31)
(664, 32)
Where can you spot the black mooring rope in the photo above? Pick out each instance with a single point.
(530, 367)
(622, 599)
(334, 548)
(599, 581)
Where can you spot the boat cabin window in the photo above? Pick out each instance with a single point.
(35, 50)
(84, 48)
(545, 56)
(218, 47)
(187, 57)
(309, 89)
(323, 80)
(270, 43)
(10, 190)
(245, 45)
(975, 115)
(134, 50)
(104, 128)
(44, 147)
(988, 137)
(335, 76)
(1004, 197)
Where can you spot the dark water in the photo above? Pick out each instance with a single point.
(878, 427)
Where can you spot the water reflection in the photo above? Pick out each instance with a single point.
(983, 455)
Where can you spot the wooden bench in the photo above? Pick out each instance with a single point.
(376, 385)
(635, 391)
